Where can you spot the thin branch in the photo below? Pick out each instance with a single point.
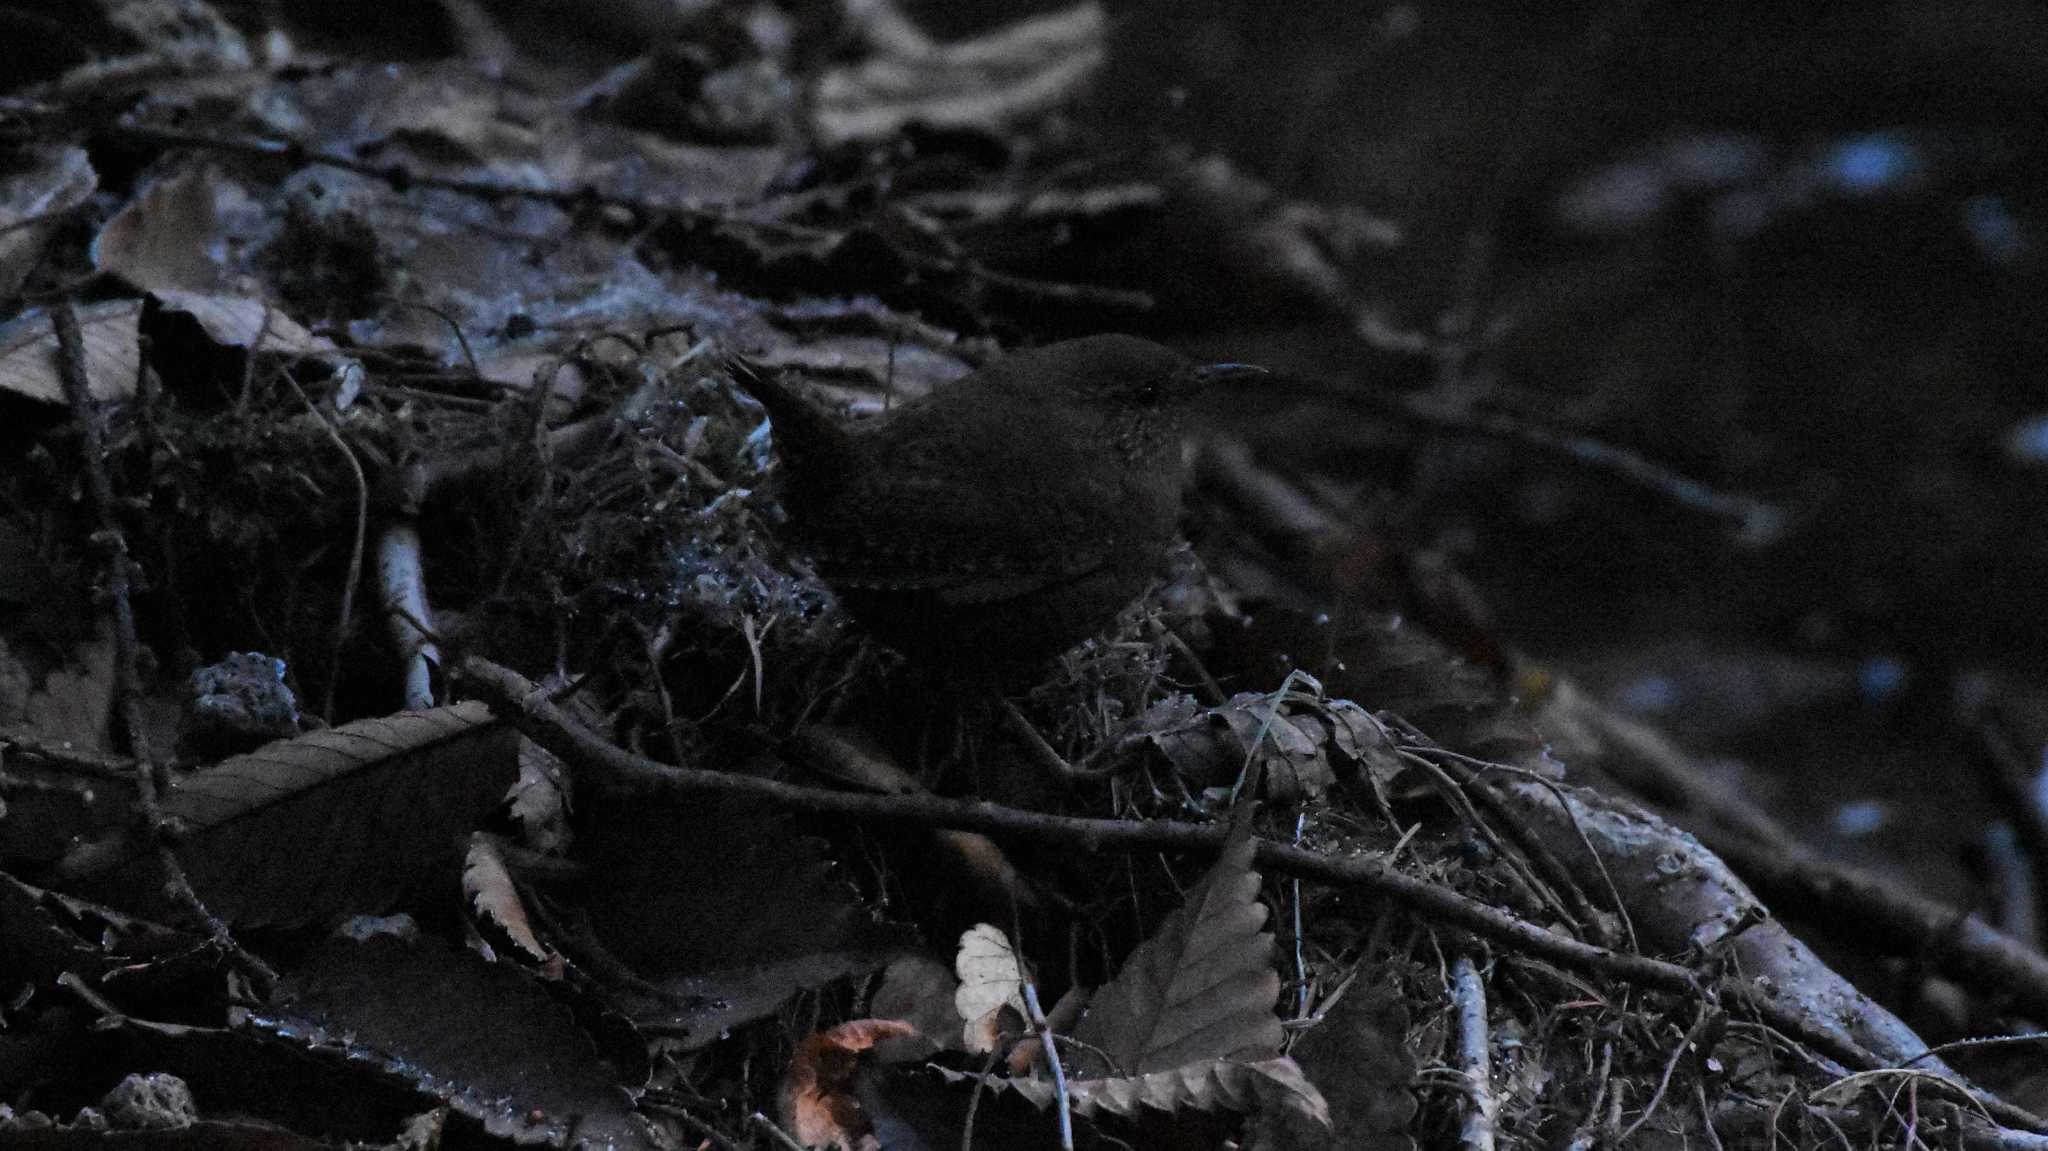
(777, 1134)
(355, 551)
(1475, 1056)
(606, 765)
(1052, 1062)
(127, 647)
(1685, 1042)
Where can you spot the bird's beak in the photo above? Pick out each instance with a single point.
(1209, 375)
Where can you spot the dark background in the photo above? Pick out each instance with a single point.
(1788, 252)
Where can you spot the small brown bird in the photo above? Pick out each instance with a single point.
(1006, 516)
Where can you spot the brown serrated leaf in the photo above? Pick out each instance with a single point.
(1208, 1085)
(485, 1038)
(1201, 988)
(1273, 1085)
(28, 352)
(330, 823)
(487, 884)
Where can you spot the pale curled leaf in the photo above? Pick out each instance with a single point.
(113, 356)
(244, 322)
(1202, 987)
(332, 822)
(991, 978)
(1361, 741)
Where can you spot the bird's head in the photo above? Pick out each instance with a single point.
(1123, 372)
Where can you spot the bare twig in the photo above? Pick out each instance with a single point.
(1043, 753)
(1867, 907)
(1685, 1042)
(604, 764)
(1052, 1062)
(67, 758)
(127, 647)
(1758, 522)
(402, 584)
(682, 1115)
(1212, 692)
(1471, 774)
(2036, 1039)
(355, 551)
(1475, 1056)
(2015, 891)
(774, 1132)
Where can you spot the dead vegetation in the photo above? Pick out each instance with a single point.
(418, 731)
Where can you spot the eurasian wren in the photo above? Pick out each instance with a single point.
(1004, 517)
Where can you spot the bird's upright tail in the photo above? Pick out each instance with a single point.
(811, 443)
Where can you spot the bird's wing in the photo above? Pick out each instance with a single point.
(1017, 515)
(967, 545)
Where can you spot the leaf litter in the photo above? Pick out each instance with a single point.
(344, 295)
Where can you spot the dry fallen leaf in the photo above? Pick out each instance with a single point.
(540, 800)
(33, 202)
(487, 1039)
(819, 1105)
(75, 702)
(168, 236)
(244, 322)
(920, 990)
(487, 883)
(28, 352)
(1201, 988)
(330, 823)
(991, 978)
(990, 82)
(1202, 1085)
